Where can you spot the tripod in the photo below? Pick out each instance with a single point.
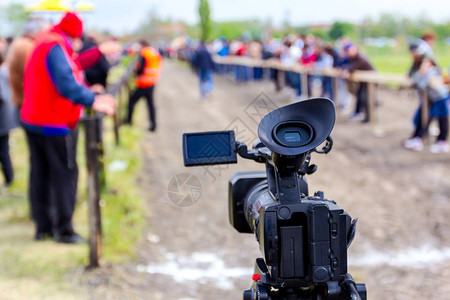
(265, 288)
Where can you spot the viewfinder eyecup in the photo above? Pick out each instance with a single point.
(298, 128)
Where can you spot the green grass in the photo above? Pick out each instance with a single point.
(398, 60)
(123, 212)
(27, 266)
(47, 270)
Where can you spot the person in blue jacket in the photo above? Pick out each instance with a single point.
(204, 66)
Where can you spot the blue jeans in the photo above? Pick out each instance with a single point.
(258, 73)
(206, 82)
(241, 73)
(293, 80)
(438, 110)
(327, 87)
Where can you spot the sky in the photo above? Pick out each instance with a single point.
(121, 16)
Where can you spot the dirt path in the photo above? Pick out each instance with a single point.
(402, 199)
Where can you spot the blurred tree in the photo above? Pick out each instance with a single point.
(302, 30)
(235, 29)
(16, 15)
(389, 26)
(366, 28)
(340, 29)
(320, 33)
(193, 31)
(409, 27)
(205, 22)
(147, 30)
(442, 30)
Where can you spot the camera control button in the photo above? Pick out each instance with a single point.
(284, 212)
(321, 274)
(335, 263)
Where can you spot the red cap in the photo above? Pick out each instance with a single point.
(71, 24)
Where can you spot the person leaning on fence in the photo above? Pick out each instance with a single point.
(93, 58)
(255, 52)
(54, 96)
(358, 62)
(290, 58)
(428, 77)
(148, 70)
(308, 59)
(324, 61)
(98, 73)
(426, 41)
(341, 62)
(7, 122)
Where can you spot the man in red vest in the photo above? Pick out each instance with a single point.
(148, 71)
(54, 96)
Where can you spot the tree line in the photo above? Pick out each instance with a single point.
(388, 25)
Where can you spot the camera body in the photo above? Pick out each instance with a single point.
(302, 243)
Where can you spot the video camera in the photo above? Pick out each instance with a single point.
(303, 239)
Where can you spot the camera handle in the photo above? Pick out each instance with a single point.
(260, 154)
(308, 169)
(327, 148)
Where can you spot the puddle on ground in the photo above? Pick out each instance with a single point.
(421, 257)
(201, 267)
(204, 267)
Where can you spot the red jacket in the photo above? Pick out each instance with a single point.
(308, 58)
(43, 105)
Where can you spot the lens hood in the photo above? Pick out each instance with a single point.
(299, 127)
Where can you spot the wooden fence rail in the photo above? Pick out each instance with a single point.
(372, 78)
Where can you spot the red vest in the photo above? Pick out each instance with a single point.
(152, 68)
(43, 105)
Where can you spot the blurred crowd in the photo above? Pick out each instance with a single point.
(313, 53)
(306, 50)
(50, 76)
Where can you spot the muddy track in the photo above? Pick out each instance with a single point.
(402, 199)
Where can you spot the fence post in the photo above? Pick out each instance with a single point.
(95, 225)
(266, 73)
(101, 150)
(116, 117)
(371, 105)
(424, 112)
(335, 82)
(121, 100)
(304, 82)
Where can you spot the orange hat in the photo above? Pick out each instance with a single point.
(71, 24)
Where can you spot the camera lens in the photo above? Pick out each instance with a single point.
(293, 134)
(292, 137)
